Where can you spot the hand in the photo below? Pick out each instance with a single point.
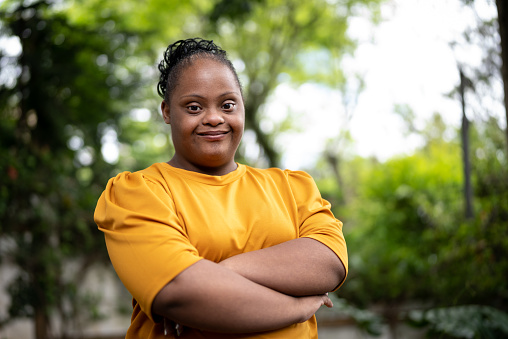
(172, 327)
(311, 304)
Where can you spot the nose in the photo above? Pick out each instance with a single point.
(213, 117)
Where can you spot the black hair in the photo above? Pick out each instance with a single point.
(181, 54)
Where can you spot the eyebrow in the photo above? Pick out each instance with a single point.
(202, 97)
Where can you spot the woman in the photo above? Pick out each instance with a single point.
(220, 248)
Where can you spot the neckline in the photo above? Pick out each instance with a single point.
(215, 180)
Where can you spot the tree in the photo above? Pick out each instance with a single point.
(496, 54)
(57, 99)
(502, 19)
(466, 163)
(408, 239)
(273, 39)
(75, 89)
(268, 39)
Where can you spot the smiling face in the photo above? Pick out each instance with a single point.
(207, 117)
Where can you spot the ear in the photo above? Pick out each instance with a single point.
(165, 112)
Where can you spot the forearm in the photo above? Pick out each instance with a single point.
(210, 297)
(297, 267)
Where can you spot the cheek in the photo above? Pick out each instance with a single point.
(177, 134)
(179, 127)
(239, 122)
(239, 133)
(240, 126)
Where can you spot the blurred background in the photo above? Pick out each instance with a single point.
(397, 108)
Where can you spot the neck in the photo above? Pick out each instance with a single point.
(215, 170)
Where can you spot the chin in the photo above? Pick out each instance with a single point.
(214, 161)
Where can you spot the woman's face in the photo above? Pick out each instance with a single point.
(207, 118)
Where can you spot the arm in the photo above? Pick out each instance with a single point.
(211, 297)
(297, 267)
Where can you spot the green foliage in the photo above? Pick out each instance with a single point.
(143, 142)
(367, 321)
(393, 222)
(275, 40)
(50, 132)
(86, 78)
(234, 10)
(289, 38)
(473, 321)
(408, 239)
(85, 72)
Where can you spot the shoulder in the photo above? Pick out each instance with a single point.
(275, 171)
(282, 176)
(132, 184)
(130, 193)
(155, 174)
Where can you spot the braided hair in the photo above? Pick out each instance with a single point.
(180, 54)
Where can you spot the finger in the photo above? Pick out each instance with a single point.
(165, 327)
(168, 327)
(327, 301)
(178, 329)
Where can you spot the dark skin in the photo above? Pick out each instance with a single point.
(207, 118)
(257, 291)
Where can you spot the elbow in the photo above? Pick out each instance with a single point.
(165, 301)
(339, 274)
(331, 278)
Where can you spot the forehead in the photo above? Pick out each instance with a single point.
(206, 72)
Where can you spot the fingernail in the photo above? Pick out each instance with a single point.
(179, 329)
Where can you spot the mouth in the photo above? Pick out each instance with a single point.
(213, 135)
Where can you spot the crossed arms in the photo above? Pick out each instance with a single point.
(255, 291)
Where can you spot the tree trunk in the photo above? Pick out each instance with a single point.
(502, 14)
(263, 140)
(41, 324)
(334, 162)
(468, 192)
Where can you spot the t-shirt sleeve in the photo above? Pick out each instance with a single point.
(315, 217)
(146, 243)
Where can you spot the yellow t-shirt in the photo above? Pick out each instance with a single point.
(159, 221)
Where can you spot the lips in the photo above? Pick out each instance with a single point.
(213, 135)
(206, 133)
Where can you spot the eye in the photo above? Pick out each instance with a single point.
(193, 108)
(228, 106)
